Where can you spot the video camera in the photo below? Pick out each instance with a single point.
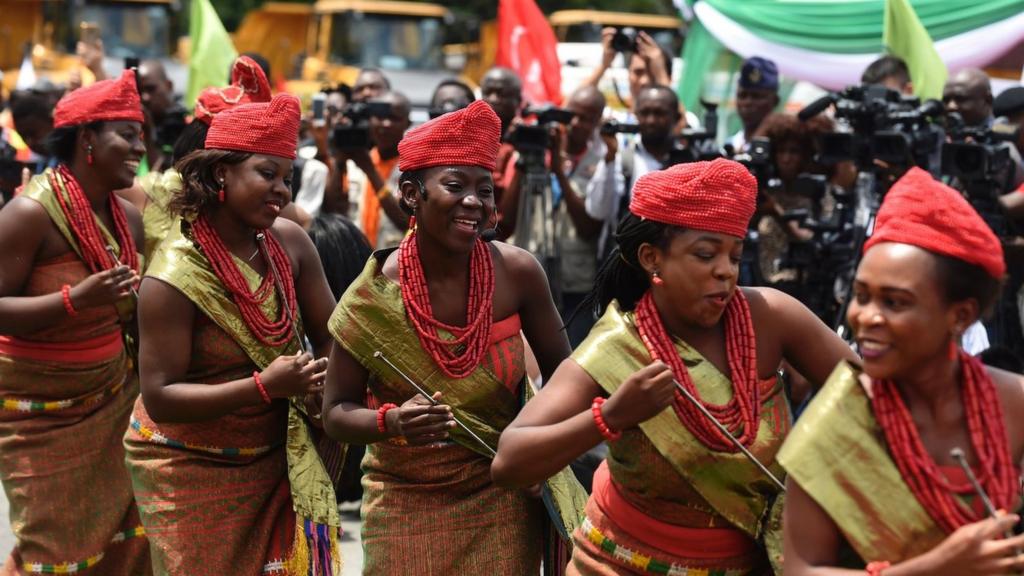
(696, 145)
(613, 127)
(536, 137)
(976, 153)
(758, 160)
(881, 125)
(356, 133)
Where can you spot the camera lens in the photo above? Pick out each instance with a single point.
(624, 40)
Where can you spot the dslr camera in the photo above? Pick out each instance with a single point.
(356, 133)
(535, 137)
(624, 40)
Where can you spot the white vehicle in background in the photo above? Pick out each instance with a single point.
(580, 51)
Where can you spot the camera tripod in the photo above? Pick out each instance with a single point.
(536, 199)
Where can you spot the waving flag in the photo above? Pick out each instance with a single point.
(527, 44)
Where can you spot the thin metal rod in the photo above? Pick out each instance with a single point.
(693, 400)
(426, 395)
(113, 257)
(961, 459)
(279, 286)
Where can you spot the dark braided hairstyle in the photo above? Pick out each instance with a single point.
(622, 277)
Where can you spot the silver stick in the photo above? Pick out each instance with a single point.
(426, 395)
(961, 459)
(729, 435)
(113, 257)
(262, 241)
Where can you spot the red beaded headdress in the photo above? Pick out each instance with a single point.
(248, 85)
(716, 196)
(264, 128)
(115, 99)
(920, 211)
(467, 137)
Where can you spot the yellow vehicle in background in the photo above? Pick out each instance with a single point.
(330, 41)
(129, 29)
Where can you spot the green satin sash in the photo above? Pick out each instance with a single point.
(729, 482)
(179, 263)
(371, 317)
(838, 454)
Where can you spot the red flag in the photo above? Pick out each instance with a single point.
(527, 44)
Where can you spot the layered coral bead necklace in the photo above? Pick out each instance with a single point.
(742, 414)
(79, 215)
(460, 355)
(270, 332)
(996, 471)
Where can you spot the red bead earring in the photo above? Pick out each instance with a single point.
(220, 193)
(88, 157)
(656, 279)
(412, 223)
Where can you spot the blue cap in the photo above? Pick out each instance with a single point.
(759, 73)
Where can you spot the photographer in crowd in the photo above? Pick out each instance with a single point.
(891, 72)
(576, 152)
(450, 95)
(757, 94)
(502, 89)
(373, 176)
(166, 116)
(370, 84)
(657, 111)
(793, 148)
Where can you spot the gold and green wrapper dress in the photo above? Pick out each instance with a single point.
(66, 393)
(838, 454)
(433, 510)
(666, 504)
(245, 493)
(157, 219)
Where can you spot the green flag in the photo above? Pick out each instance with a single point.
(213, 52)
(904, 36)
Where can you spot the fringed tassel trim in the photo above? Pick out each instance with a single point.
(315, 550)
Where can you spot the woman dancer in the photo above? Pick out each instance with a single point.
(873, 479)
(67, 383)
(675, 494)
(222, 461)
(446, 309)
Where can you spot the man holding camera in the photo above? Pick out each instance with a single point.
(165, 113)
(502, 89)
(757, 94)
(373, 176)
(657, 112)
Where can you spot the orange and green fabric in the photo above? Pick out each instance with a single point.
(245, 493)
(838, 455)
(66, 394)
(725, 514)
(434, 510)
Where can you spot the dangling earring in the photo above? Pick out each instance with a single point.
(953, 348)
(220, 193)
(656, 279)
(412, 223)
(88, 157)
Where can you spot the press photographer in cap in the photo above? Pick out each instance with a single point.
(757, 94)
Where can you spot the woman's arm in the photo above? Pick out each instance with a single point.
(540, 320)
(558, 425)
(802, 339)
(347, 419)
(166, 324)
(24, 230)
(315, 300)
(811, 543)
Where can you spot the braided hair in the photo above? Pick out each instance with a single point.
(621, 277)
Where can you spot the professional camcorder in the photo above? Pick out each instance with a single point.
(612, 127)
(880, 124)
(696, 145)
(536, 137)
(356, 133)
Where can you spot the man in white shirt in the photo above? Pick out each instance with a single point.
(657, 111)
